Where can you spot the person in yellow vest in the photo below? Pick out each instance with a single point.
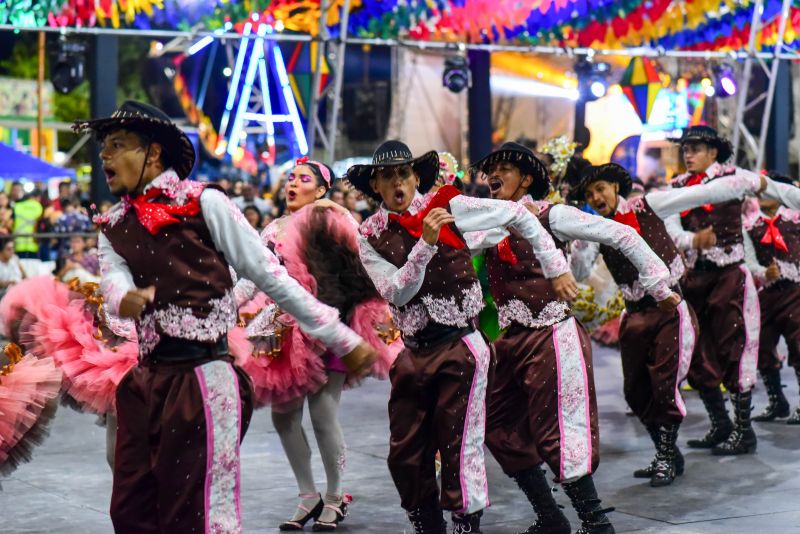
(26, 215)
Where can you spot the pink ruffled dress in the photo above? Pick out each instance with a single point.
(28, 399)
(309, 244)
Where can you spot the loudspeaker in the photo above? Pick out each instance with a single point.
(366, 109)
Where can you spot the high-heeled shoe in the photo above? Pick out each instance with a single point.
(298, 524)
(340, 513)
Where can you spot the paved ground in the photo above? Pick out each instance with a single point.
(65, 490)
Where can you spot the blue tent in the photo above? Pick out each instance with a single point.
(16, 166)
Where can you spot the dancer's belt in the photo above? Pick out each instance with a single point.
(647, 302)
(707, 266)
(780, 285)
(176, 350)
(434, 335)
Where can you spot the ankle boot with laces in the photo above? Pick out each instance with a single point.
(721, 425)
(549, 518)
(778, 405)
(665, 463)
(742, 440)
(467, 523)
(584, 499)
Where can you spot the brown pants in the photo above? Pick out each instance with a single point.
(542, 405)
(726, 305)
(176, 465)
(780, 316)
(656, 349)
(438, 403)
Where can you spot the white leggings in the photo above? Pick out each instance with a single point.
(323, 407)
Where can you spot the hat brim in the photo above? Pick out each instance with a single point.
(541, 178)
(578, 194)
(176, 143)
(723, 146)
(425, 166)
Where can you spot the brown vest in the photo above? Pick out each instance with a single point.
(788, 262)
(521, 291)
(726, 220)
(450, 294)
(192, 279)
(655, 234)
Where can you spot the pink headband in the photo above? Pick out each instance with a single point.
(326, 175)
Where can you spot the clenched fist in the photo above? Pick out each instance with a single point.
(705, 238)
(565, 286)
(360, 359)
(135, 301)
(670, 303)
(436, 219)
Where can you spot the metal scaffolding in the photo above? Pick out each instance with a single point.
(756, 141)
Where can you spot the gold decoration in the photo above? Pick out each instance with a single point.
(589, 311)
(14, 354)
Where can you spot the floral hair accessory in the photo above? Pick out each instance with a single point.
(326, 175)
(561, 150)
(448, 168)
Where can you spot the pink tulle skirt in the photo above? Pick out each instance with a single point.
(27, 403)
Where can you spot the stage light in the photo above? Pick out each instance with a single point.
(598, 88)
(227, 72)
(67, 69)
(592, 79)
(725, 81)
(456, 76)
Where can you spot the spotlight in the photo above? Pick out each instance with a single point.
(456, 76)
(67, 65)
(592, 79)
(725, 81)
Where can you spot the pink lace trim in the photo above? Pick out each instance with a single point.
(180, 322)
(636, 291)
(722, 257)
(517, 311)
(473, 479)
(222, 406)
(716, 170)
(789, 271)
(445, 310)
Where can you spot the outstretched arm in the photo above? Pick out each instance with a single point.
(673, 201)
(245, 252)
(480, 214)
(570, 223)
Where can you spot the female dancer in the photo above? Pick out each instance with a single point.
(318, 247)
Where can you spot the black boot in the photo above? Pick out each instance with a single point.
(721, 425)
(549, 518)
(795, 417)
(585, 501)
(778, 405)
(467, 523)
(428, 520)
(665, 467)
(742, 440)
(647, 472)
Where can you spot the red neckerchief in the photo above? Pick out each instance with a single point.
(154, 215)
(697, 179)
(413, 223)
(629, 219)
(506, 253)
(773, 235)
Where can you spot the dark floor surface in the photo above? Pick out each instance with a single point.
(66, 488)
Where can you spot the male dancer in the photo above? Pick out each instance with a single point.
(656, 344)
(165, 255)
(414, 252)
(720, 289)
(772, 252)
(542, 405)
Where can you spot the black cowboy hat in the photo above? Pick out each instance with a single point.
(391, 154)
(524, 158)
(153, 124)
(610, 172)
(709, 136)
